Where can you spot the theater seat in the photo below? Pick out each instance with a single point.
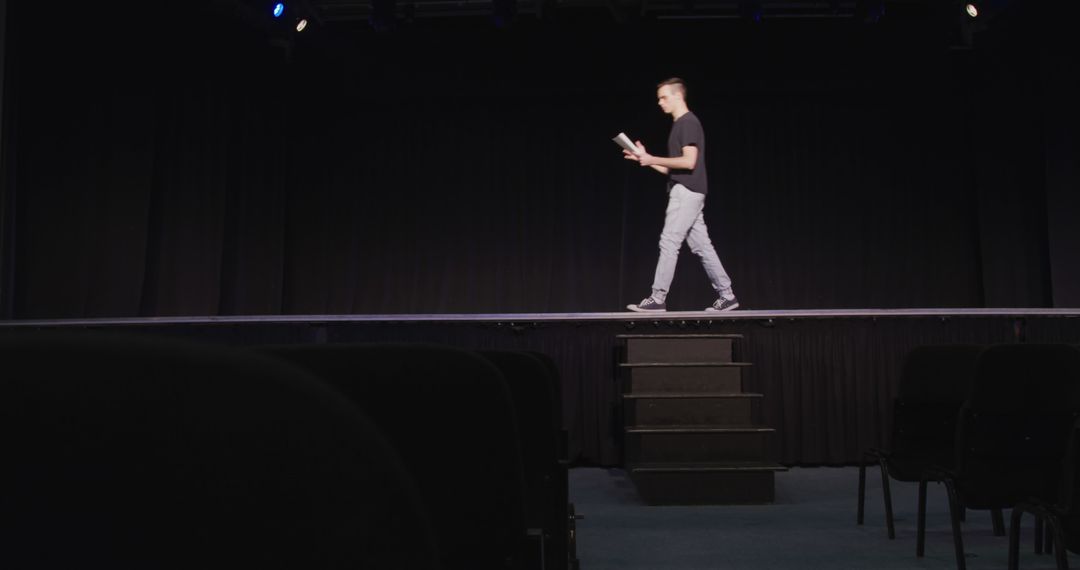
(449, 414)
(533, 391)
(124, 452)
(934, 382)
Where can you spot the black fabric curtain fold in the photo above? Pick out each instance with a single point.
(435, 173)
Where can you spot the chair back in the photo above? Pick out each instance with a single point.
(1070, 490)
(126, 452)
(934, 382)
(450, 415)
(1013, 429)
(530, 383)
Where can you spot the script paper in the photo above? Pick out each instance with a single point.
(624, 141)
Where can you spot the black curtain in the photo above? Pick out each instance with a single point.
(1061, 143)
(6, 169)
(182, 164)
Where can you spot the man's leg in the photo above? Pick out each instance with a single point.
(701, 245)
(684, 207)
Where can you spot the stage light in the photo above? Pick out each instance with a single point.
(301, 24)
(972, 10)
(279, 9)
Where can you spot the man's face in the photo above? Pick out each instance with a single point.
(665, 97)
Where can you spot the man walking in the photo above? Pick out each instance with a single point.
(687, 187)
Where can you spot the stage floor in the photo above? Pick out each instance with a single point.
(623, 316)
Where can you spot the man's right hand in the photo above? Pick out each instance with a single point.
(636, 157)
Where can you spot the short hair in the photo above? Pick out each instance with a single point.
(675, 82)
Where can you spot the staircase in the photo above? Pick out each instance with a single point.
(691, 431)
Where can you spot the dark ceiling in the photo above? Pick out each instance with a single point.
(339, 12)
(362, 10)
(346, 18)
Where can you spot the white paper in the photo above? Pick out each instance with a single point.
(624, 141)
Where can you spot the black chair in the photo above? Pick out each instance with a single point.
(124, 453)
(566, 513)
(1011, 433)
(449, 414)
(530, 384)
(934, 382)
(1062, 516)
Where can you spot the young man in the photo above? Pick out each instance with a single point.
(687, 187)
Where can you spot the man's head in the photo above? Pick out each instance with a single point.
(671, 95)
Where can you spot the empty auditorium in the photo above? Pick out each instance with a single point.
(540, 284)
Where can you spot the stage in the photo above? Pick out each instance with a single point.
(511, 318)
(827, 376)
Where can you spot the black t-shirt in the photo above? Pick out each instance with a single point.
(687, 131)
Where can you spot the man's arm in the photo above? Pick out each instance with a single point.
(687, 161)
(663, 165)
(637, 158)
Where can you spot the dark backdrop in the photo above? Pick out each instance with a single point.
(178, 163)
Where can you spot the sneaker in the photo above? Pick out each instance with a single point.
(648, 305)
(723, 304)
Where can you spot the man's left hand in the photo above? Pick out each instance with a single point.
(643, 155)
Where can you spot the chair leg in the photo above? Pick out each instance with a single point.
(573, 563)
(954, 514)
(862, 492)
(1014, 539)
(1060, 552)
(920, 526)
(1048, 542)
(1038, 535)
(887, 492)
(998, 520)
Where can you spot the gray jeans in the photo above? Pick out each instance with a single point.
(685, 221)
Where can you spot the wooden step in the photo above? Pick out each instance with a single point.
(696, 443)
(679, 408)
(679, 348)
(712, 466)
(683, 376)
(715, 483)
